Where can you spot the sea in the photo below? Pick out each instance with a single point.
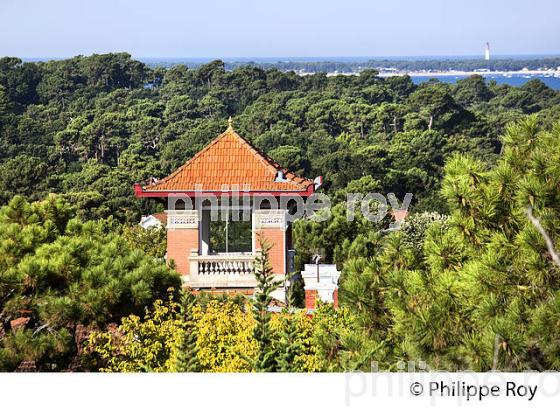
(513, 80)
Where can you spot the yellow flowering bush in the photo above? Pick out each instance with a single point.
(140, 345)
(225, 337)
(307, 359)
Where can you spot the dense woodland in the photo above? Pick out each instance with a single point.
(89, 127)
(470, 281)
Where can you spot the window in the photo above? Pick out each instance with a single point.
(231, 235)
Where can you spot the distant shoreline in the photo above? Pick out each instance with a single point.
(447, 69)
(457, 73)
(552, 73)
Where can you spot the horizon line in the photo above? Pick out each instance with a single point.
(284, 58)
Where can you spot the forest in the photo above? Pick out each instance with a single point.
(470, 281)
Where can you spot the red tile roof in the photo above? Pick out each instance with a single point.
(399, 215)
(27, 366)
(229, 160)
(19, 323)
(161, 216)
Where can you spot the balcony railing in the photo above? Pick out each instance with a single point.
(229, 270)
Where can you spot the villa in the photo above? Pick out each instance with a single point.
(221, 204)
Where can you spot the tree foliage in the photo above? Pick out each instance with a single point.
(136, 345)
(90, 127)
(482, 292)
(265, 360)
(59, 275)
(476, 288)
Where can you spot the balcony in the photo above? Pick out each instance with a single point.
(226, 270)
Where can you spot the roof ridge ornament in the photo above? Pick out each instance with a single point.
(230, 124)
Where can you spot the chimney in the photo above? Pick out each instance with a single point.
(320, 283)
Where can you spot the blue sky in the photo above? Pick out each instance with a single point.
(251, 28)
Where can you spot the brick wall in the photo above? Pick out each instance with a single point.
(179, 245)
(277, 254)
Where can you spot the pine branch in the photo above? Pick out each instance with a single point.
(496, 352)
(549, 244)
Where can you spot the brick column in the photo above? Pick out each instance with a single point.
(182, 238)
(335, 298)
(271, 225)
(310, 299)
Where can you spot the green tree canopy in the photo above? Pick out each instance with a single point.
(59, 276)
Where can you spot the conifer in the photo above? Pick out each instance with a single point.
(289, 346)
(58, 274)
(187, 360)
(266, 284)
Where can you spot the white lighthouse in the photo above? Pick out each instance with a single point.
(487, 52)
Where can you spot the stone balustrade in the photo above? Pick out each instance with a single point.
(222, 270)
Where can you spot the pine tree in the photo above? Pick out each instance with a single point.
(187, 360)
(482, 291)
(266, 284)
(59, 275)
(295, 292)
(288, 346)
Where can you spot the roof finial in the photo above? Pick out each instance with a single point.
(230, 124)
